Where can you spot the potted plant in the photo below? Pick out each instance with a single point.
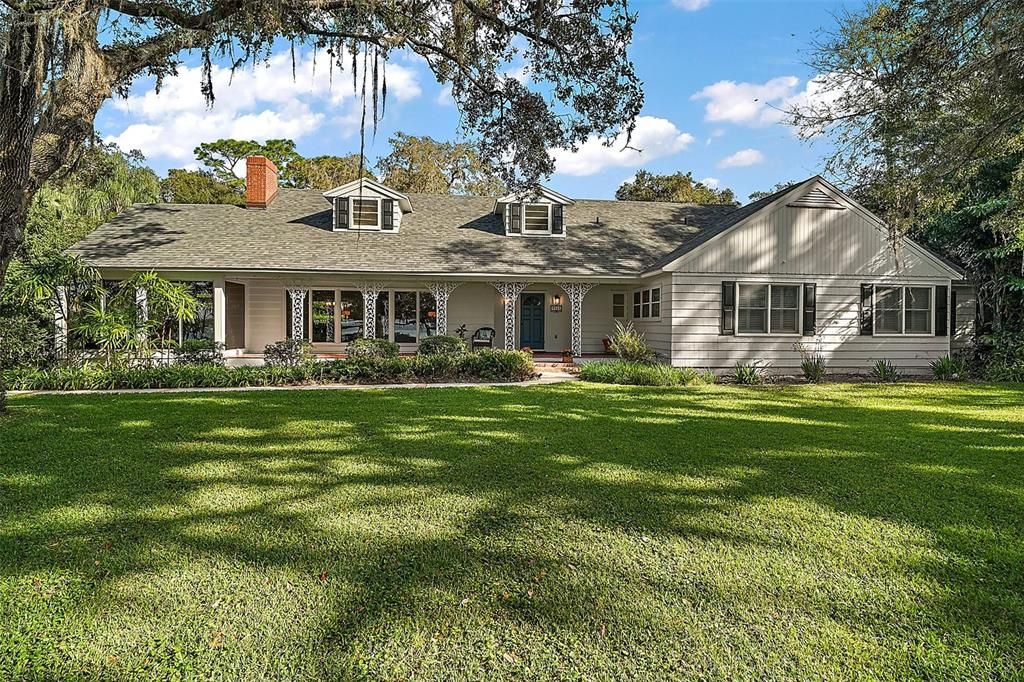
(567, 356)
(607, 345)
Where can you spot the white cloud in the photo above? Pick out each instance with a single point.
(444, 97)
(713, 183)
(653, 138)
(254, 103)
(747, 103)
(744, 157)
(691, 5)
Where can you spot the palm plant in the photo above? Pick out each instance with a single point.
(109, 328)
(59, 284)
(164, 300)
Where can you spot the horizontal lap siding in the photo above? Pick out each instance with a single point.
(658, 333)
(696, 306)
(265, 314)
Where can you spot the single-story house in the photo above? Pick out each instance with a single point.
(709, 286)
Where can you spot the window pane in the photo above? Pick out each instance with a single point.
(364, 212)
(785, 308)
(202, 326)
(888, 310)
(382, 316)
(636, 310)
(655, 310)
(428, 314)
(918, 312)
(618, 305)
(753, 308)
(536, 218)
(405, 316)
(656, 294)
(323, 316)
(646, 295)
(350, 311)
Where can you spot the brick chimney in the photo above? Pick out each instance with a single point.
(260, 182)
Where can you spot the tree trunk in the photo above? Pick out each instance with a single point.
(21, 74)
(21, 77)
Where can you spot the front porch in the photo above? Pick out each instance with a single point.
(547, 317)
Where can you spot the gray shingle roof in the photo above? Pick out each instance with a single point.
(449, 235)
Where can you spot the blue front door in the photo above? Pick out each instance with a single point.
(531, 321)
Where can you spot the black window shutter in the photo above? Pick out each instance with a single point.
(387, 216)
(341, 213)
(941, 311)
(515, 223)
(952, 312)
(810, 309)
(867, 314)
(728, 323)
(557, 216)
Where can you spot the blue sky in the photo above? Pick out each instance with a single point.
(715, 72)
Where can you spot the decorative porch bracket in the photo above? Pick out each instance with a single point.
(371, 292)
(509, 294)
(441, 292)
(576, 291)
(297, 295)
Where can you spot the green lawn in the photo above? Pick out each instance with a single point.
(569, 531)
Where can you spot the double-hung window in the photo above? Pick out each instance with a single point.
(768, 308)
(536, 218)
(365, 214)
(618, 305)
(903, 310)
(647, 303)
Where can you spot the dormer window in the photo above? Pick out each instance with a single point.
(541, 214)
(537, 218)
(365, 214)
(367, 205)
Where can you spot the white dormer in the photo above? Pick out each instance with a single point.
(367, 205)
(540, 213)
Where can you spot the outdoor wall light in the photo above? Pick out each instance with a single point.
(556, 300)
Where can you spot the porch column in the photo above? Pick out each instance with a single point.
(141, 311)
(509, 295)
(297, 296)
(371, 291)
(220, 313)
(576, 291)
(441, 292)
(60, 323)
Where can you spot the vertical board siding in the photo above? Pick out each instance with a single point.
(265, 314)
(820, 241)
(696, 310)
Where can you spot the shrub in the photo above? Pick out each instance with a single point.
(885, 371)
(812, 363)
(23, 343)
(751, 373)
(372, 348)
(949, 368)
(1001, 356)
(287, 353)
(642, 374)
(707, 377)
(441, 345)
(200, 352)
(487, 365)
(630, 345)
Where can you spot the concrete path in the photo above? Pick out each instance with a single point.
(544, 379)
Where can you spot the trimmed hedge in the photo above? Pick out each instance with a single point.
(642, 374)
(486, 365)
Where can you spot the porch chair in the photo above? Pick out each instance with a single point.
(483, 338)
